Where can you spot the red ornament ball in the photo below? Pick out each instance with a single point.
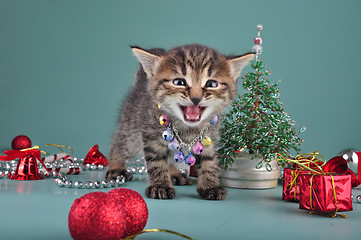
(98, 215)
(84, 215)
(21, 142)
(135, 208)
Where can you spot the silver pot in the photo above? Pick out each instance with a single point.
(243, 174)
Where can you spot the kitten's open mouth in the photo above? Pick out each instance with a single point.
(192, 113)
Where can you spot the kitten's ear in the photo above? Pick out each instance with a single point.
(148, 60)
(237, 63)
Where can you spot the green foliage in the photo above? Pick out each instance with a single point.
(258, 120)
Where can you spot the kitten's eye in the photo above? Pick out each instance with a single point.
(179, 82)
(211, 84)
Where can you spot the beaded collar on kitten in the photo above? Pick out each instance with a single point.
(176, 144)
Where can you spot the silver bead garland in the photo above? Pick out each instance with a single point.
(61, 180)
(137, 166)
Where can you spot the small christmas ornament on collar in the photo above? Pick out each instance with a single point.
(176, 144)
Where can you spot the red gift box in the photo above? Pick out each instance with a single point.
(325, 193)
(291, 184)
(291, 188)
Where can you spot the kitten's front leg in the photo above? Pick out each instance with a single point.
(160, 185)
(208, 179)
(123, 148)
(117, 168)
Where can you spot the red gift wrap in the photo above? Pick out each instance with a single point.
(291, 184)
(325, 193)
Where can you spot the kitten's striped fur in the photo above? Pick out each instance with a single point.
(191, 83)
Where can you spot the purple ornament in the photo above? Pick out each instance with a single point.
(190, 159)
(214, 119)
(173, 145)
(168, 135)
(179, 156)
(198, 148)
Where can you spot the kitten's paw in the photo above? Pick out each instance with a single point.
(112, 174)
(216, 193)
(180, 179)
(160, 192)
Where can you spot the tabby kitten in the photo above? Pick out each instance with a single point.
(191, 83)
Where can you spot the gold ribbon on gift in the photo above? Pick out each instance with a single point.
(157, 230)
(293, 183)
(305, 160)
(334, 195)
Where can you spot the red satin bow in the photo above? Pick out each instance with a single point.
(339, 165)
(14, 154)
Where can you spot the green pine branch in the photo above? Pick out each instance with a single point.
(257, 120)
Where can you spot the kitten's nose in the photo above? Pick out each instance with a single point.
(196, 100)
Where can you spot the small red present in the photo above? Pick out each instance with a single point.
(291, 188)
(291, 184)
(325, 193)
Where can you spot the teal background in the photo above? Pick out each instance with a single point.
(65, 66)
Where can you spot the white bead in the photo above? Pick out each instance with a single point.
(358, 199)
(112, 183)
(97, 184)
(60, 183)
(78, 184)
(259, 27)
(257, 49)
(105, 183)
(88, 184)
(120, 180)
(68, 184)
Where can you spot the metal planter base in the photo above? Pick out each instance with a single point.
(243, 174)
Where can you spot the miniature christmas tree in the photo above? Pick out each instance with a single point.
(257, 120)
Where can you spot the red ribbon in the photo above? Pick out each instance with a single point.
(339, 165)
(14, 154)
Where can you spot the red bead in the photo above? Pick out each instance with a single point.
(258, 40)
(21, 142)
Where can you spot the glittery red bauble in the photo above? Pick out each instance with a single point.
(84, 216)
(135, 207)
(21, 142)
(99, 215)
